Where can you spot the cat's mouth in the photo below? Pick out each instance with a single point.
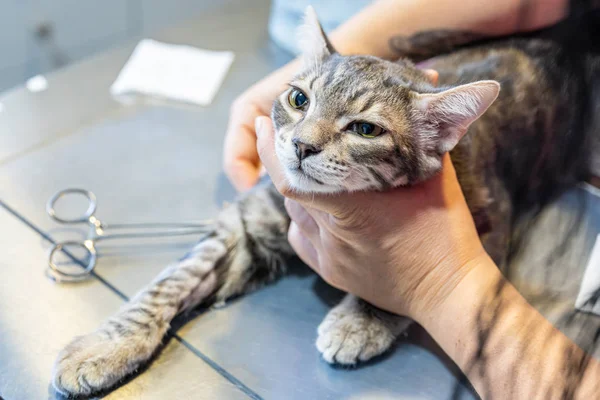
(302, 174)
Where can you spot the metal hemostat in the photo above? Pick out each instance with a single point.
(100, 231)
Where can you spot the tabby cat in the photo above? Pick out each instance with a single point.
(354, 123)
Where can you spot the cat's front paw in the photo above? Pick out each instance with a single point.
(94, 362)
(347, 338)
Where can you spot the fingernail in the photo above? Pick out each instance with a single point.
(258, 123)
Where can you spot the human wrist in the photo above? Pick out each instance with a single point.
(496, 338)
(463, 294)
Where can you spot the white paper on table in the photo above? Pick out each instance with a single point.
(174, 72)
(590, 284)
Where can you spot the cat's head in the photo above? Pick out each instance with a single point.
(351, 123)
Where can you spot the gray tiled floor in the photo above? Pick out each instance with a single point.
(154, 162)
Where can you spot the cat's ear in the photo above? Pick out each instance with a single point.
(312, 40)
(455, 109)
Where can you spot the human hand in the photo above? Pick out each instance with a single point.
(240, 158)
(403, 250)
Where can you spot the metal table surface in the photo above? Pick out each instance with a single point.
(162, 162)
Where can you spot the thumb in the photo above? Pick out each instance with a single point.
(265, 146)
(265, 143)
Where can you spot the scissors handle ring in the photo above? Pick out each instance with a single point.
(88, 246)
(84, 218)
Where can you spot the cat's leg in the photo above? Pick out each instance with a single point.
(98, 360)
(246, 249)
(356, 331)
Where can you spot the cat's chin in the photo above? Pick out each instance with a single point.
(303, 183)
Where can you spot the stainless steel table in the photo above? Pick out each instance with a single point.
(157, 162)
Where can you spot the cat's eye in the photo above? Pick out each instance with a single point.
(365, 129)
(298, 99)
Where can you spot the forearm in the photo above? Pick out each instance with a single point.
(370, 31)
(504, 346)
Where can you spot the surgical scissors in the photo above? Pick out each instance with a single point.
(99, 231)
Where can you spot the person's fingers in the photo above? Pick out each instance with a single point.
(440, 187)
(448, 177)
(302, 218)
(448, 171)
(240, 158)
(303, 247)
(332, 204)
(266, 151)
(432, 75)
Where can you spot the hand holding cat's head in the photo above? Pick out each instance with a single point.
(350, 123)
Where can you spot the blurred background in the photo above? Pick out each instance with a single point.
(37, 36)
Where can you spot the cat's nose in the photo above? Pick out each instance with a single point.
(304, 150)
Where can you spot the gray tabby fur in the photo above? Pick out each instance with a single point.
(249, 247)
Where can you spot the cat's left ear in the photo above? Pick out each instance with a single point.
(313, 42)
(455, 109)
